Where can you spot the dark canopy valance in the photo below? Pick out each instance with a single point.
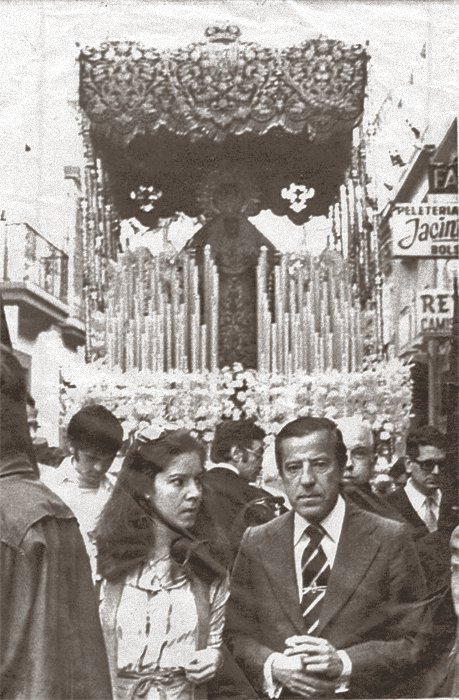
(223, 86)
(165, 118)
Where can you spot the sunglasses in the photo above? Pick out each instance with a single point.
(428, 465)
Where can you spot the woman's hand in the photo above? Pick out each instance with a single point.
(203, 666)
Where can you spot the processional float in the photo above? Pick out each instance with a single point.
(219, 131)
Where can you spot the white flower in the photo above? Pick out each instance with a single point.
(153, 432)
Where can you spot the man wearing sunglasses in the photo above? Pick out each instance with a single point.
(419, 501)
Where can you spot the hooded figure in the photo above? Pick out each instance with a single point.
(51, 644)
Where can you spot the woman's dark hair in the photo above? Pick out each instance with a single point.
(125, 532)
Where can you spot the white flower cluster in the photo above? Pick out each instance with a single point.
(198, 401)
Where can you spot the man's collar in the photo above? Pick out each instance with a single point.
(332, 523)
(417, 498)
(223, 465)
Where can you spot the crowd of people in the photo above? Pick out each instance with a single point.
(173, 575)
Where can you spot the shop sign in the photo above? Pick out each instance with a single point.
(435, 312)
(443, 178)
(424, 231)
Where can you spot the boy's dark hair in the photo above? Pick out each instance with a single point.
(94, 427)
(304, 426)
(425, 435)
(234, 433)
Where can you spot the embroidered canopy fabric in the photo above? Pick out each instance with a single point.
(166, 117)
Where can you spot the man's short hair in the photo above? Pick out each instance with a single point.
(234, 433)
(425, 435)
(94, 427)
(304, 426)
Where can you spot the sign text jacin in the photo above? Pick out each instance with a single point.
(425, 231)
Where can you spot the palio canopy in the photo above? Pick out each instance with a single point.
(164, 119)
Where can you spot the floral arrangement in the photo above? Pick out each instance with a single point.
(381, 394)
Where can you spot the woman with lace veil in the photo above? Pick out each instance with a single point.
(164, 589)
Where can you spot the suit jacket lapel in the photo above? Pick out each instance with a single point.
(279, 562)
(356, 550)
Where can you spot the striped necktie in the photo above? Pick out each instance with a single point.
(316, 571)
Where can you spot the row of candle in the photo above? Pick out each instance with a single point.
(162, 316)
(100, 232)
(159, 316)
(313, 325)
(355, 228)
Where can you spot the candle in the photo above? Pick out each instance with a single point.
(175, 323)
(290, 346)
(352, 338)
(214, 339)
(129, 348)
(279, 315)
(168, 324)
(344, 220)
(285, 349)
(162, 336)
(260, 318)
(338, 233)
(203, 365)
(274, 347)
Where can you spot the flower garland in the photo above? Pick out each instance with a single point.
(198, 401)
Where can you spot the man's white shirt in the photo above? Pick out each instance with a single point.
(419, 501)
(222, 465)
(332, 525)
(86, 504)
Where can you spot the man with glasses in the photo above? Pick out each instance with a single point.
(229, 489)
(419, 501)
(430, 513)
(235, 503)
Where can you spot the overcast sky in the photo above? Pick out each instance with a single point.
(41, 40)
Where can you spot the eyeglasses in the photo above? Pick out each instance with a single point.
(258, 454)
(428, 465)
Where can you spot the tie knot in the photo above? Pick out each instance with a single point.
(315, 533)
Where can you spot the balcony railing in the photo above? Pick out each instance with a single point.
(28, 257)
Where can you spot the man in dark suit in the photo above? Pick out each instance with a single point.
(322, 597)
(419, 501)
(234, 503)
(230, 494)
